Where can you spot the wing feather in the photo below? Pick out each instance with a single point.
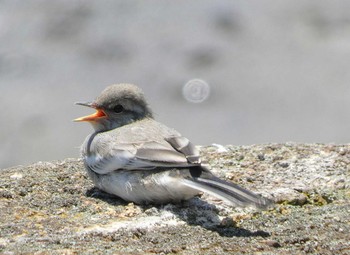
(145, 144)
(173, 152)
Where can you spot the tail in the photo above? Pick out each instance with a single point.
(232, 193)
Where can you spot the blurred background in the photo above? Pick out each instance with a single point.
(276, 71)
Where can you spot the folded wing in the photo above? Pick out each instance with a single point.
(172, 152)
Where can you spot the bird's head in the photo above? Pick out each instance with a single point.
(117, 105)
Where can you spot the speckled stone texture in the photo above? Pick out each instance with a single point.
(53, 208)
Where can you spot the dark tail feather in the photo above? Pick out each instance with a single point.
(227, 191)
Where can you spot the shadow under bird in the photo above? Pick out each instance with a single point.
(134, 157)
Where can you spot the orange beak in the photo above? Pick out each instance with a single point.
(93, 117)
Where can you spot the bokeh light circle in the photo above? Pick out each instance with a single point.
(196, 91)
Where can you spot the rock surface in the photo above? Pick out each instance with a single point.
(53, 208)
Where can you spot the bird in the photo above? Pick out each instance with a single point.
(134, 157)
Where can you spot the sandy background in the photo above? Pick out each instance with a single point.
(278, 70)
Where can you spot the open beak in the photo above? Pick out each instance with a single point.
(93, 117)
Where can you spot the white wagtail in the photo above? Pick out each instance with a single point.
(134, 157)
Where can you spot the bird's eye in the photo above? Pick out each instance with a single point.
(118, 108)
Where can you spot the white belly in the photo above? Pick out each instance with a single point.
(145, 186)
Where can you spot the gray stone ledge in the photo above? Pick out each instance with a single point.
(52, 208)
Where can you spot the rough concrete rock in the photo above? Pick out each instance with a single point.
(53, 208)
